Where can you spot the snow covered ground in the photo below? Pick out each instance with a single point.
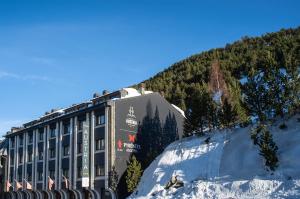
(228, 167)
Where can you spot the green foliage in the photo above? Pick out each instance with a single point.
(114, 179)
(133, 174)
(270, 55)
(268, 149)
(228, 115)
(200, 111)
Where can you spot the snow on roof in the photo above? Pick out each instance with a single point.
(179, 109)
(132, 92)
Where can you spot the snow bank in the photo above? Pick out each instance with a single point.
(228, 167)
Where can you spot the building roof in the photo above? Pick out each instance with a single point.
(96, 100)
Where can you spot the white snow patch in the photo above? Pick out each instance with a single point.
(228, 167)
(132, 92)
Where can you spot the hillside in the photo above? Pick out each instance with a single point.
(273, 50)
(228, 167)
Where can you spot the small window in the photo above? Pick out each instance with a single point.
(80, 125)
(30, 156)
(99, 170)
(52, 133)
(66, 128)
(12, 142)
(79, 148)
(41, 135)
(20, 177)
(99, 144)
(30, 138)
(29, 177)
(20, 158)
(40, 176)
(66, 150)
(52, 152)
(21, 140)
(41, 155)
(12, 160)
(66, 172)
(100, 120)
(79, 172)
(52, 174)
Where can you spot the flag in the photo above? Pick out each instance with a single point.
(8, 185)
(18, 185)
(50, 183)
(28, 185)
(66, 182)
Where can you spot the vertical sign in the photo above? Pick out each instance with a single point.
(85, 155)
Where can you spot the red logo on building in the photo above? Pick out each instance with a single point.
(120, 144)
(131, 138)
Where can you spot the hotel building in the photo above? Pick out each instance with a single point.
(70, 152)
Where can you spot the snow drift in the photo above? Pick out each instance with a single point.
(229, 166)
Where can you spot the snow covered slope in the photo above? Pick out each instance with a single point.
(228, 167)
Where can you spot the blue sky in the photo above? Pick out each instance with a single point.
(56, 53)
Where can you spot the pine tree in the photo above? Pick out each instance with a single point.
(197, 113)
(228, 115)
(257, 96)
(133, 174)
(114, 179)
(268, 148)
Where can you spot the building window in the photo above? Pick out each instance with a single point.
(66, 172)
(12, 160)
(41, 155)
(40, 176)
(100, 119)
(52, 152)
(79, 148)
(21, 140)
(99, 170)
(20, 177)
(99, 144)
(41, 135)
(66, 150)
(30, 156)
(20, 158)
(52, 174)
(66, 128)
(79, 172)
(12, 142)
(80, 125)
(52, 132)
(30, 138)
(29, 177)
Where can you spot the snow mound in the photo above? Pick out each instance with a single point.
(227, 167)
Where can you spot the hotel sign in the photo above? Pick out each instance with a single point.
(85, 155)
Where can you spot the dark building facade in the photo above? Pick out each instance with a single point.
(77, 147)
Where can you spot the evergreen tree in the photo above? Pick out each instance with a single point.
(133, 174)
(197, 113)
(228, 115)
(268, 148)
(114, 179)
(257, 96)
